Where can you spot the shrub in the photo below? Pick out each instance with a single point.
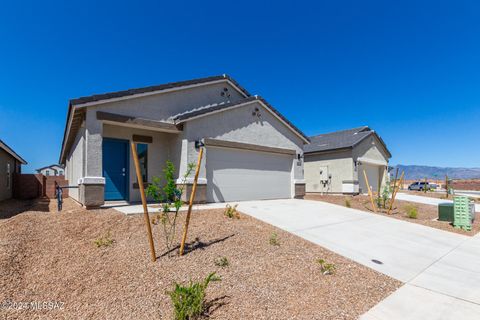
(412, 211)
(231, 212)
(274, 239)
(326, 268)
(104, 241)
(221, 262)
(347, 203)
(189, 301)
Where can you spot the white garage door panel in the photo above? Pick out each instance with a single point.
(234, 175)
(372, 172)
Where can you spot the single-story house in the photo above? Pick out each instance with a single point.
(10, 163)
(335, 162)
(51, 170)
(251, 150)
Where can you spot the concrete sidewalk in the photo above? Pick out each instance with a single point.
(440, 268)
(427, 200)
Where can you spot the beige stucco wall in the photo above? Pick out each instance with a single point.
(340, 166)
(6, 192)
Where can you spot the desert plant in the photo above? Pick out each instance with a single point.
(104, 241)
(347, 203)
(221, 262)
(231, 212)
(326, 268)
(274, 239)
(189, 300)
(170, 196)
(383, 198)
(412, 211)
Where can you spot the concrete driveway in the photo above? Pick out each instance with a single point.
(441, 269)
(427, 200)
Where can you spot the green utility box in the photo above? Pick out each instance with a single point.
(463, 213)
(445, 212)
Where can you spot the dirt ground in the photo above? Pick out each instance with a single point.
(427, 214)
(50, 257)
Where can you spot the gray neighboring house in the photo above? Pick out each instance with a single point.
(335, 162)
(10, 163)
(251, 150)
(52, 170)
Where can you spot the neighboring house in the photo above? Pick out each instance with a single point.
(252, 151)
(335, 162)
(52, 170)
(10, 163)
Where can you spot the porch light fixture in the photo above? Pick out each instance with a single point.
(199, 144)
(300, 156)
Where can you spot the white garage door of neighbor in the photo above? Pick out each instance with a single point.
(372, 172)
(235, 175)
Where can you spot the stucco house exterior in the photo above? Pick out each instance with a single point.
(335, 162)
(10, 163)
(52, 170)
(251, 150)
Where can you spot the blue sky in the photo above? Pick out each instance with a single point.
(408, 69)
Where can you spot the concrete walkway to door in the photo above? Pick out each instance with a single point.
(440, 269)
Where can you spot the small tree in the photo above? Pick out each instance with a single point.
(384, 197)
(171, 198)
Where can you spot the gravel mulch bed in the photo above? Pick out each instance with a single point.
(51, 257)
(427, 214)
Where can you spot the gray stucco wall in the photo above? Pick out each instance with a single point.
(161, 106)
(239, 125)
(159, 151)
(6, 192)
(340, 165)
(75, 165)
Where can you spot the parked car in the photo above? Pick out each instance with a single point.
(419, 186)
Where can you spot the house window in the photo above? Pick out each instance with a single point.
(47, 172)
(60, 173)
(142, 150)
(9, 182)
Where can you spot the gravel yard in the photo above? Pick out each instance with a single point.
(427, 214)
(51, 257)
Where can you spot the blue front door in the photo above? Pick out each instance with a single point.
(115, 168)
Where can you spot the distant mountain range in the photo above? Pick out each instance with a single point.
(420, 172)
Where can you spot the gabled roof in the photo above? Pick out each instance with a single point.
(10, 151)
(171, 85)
(203, 111)
(343, 139)
(50, 166)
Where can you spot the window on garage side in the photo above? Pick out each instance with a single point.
(142, 150)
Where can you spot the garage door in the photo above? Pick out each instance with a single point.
(234, 175)
(372, 172)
